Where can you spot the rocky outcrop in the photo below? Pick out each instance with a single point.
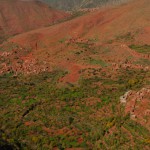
(137, 104)
(21, 60)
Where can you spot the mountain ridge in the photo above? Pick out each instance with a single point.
(79, 4)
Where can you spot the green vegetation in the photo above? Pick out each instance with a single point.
(73, 15)
(87, 47)
(42, 111)
(144, 62)
(2, 38)
(76, 14)
(8, 47)
(37, 114)
(126, 37)
(97, 62)
(141, 48)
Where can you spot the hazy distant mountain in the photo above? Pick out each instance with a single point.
(75, 4)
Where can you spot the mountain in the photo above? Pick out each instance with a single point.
(105, 24)
(19, 16)
(82, 84)
(78, 4)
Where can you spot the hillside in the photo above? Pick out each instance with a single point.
(19, 16)
(104, 24)
(82, 84)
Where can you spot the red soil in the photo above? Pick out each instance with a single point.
(64, 131)
(104, 24)
(19, 16)
(144, 36)
(73, 75)
(29, 123)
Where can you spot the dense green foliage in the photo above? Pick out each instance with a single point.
(39, 113)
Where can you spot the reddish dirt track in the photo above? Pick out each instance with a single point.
(73, 75)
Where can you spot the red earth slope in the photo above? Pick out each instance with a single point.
(70, 44)
(17, 16)
(103, 24)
